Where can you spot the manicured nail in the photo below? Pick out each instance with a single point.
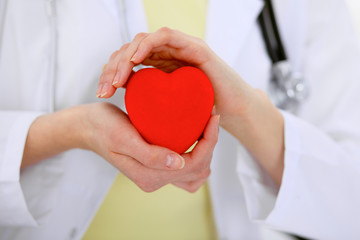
(104, 90)
(175, 161)
(116, 79)
(98, 92)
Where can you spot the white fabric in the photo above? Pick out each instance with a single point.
(354, 6)
(15, 125)
(319, 194)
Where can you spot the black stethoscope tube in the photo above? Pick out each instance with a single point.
(270, 32)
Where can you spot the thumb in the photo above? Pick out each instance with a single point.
(152, 156)
(157, 157)
(207, 143)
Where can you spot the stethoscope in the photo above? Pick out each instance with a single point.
(287, 89)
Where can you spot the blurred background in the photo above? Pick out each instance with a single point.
(354, 6)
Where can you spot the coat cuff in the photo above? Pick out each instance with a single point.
(261, 193)
(13, 206)
(292, 156)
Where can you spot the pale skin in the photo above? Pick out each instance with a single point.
(106, 130)
(246, 113)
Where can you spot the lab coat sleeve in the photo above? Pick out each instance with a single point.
(13, 132)
(319, 196)
(320, 193)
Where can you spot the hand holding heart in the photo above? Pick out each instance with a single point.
(104, 129)
(246, 113)
(110, 134)
(194, 126)
(169, 50)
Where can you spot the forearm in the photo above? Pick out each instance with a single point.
(52, 134)
(248, 115)
(261, 131)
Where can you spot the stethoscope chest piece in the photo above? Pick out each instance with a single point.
(287, 89)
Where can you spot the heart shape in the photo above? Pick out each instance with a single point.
(170, 109)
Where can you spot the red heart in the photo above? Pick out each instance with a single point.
(170, 109)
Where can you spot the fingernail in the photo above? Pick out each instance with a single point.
(217, 119)
(213, 110)
(104, 90)
(134, 57)
(174, 161)
(98, 92)
(116, 79)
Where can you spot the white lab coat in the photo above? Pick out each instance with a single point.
(51, 58)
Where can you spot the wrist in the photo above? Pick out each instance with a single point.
(52, 134)
(88, 127)
(262, 133)
(77, 122)
(70, 130)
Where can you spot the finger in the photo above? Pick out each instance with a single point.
(145, 178)
(191, 187)
(189, 175)
(157, 157)
(164, 65)
(132, 144)
(105, 88)
(125, 84)
(213, 110)
(149, 155)
(210, 136)
(124, 65)
(179, 46)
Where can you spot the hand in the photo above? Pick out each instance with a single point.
(112, 136)
(119, 67)
(106, 130)
(168, 50)
(246, 113)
